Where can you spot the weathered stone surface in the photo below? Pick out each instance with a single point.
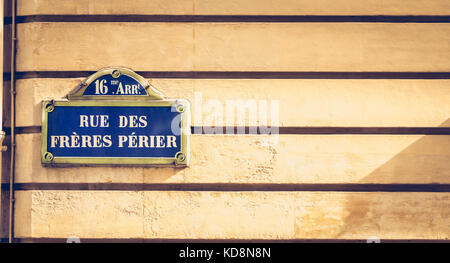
(235, 46)
(230, 159)
(252, 159)
(337, 103)
(364, 215)
(115, 214)
(238, 215)
(236, 7)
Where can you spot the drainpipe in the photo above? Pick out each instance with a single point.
(2, 133)
(13, 122)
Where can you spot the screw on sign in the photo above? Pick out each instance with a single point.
(48, 156)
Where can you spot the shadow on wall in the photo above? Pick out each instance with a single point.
(413, 215)
(433, 163)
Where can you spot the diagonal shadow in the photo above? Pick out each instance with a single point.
(404, 215)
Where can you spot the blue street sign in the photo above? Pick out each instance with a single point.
(120, 131)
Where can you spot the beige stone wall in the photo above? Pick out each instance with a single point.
(233, 215)
(235, 46)
(236, 7)
(303, 102)
(125, 203)
(295, 159)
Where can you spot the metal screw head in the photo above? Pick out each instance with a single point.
(115, 74)
(180, 157)
(48, 156)
(49, 107)
(180, 108)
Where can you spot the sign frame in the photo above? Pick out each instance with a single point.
(152, 99)
(78, 93)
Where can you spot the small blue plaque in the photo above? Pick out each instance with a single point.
(122, 85)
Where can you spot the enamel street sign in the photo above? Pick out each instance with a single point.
(115, 117)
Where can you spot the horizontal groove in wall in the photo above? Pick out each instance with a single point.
(23, 130)
(230, 187)
(335, 130)
(243, 75)
(144, 240)
(294, 130)
(232, 18)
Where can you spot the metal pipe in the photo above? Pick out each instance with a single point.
(13, 124)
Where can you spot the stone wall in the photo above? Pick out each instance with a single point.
(355, 158)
